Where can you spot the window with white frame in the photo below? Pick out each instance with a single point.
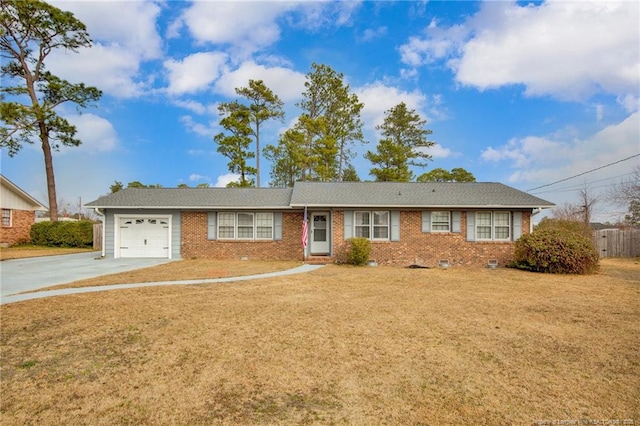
(373, 225)
(440, 221)
(245, 226)
(6, 217)
(493, 226)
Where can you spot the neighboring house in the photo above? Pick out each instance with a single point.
(18, 213)
(408, 223)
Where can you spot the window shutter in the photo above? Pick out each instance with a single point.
(277, 226)
(455, 221)
(517, 225)
(471, 226)
(348, 224)
(211, 225)
(426, 221)
(395, 226)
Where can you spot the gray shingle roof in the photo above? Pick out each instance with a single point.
(328, 194)
(185, 198)
(414, 194)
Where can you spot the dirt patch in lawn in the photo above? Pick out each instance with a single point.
(339, 345)
(184, 270)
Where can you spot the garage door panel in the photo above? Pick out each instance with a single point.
(144, 237)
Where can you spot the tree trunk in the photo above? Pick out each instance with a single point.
(257, 156)
(51, 180)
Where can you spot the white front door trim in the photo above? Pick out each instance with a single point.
(320, 233)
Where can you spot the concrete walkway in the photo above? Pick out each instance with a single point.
(62, 292)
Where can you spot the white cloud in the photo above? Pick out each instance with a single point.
(193, 177)
(531, 161)
(96, 133)
(378, 98)
(194, 73)
(110, 70)
(438, 151)
(570, 50)
(124, 35)
(247, 26)
(371, 34)
(223, 180)
(284, 82)
(206, 130)
(197, 107)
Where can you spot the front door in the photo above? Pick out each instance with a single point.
(320, 233)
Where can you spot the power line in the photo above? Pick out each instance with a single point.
(584, 173)
(589, 184)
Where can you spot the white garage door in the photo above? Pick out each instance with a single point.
(144, 237)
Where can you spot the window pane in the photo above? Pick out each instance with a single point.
(264, 219)
(362, 231)
(440, 221)
(380, 218)
(362, 218)
(381, 232)
(483, 219)
(264, 225)
(245, 219)
(502, 232)
(245, 232)
(483, 232)
(226, 219)
(501, 218)
(226, 225)
(225, 232)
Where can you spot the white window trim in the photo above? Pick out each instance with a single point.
(493, 226)
(433, 222)
(371, 224)
(255, 227)
(10, 218)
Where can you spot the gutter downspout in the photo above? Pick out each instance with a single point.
(533, 213)
(104, 229)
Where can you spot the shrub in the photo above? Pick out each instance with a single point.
(557, 247)
(62, 234)
(359, 252)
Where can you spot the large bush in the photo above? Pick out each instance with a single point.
(557, 247)
(62, 234)
(359, 251)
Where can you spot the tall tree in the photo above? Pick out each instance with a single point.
(403, 144)
(330, 123)
(263, 105)
(29, 32)
(457, 174)
(288, 159)
(235, 146)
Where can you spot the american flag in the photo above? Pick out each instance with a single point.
(305, 229)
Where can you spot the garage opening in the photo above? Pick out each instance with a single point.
(144, 236)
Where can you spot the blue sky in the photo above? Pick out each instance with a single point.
(524, 93)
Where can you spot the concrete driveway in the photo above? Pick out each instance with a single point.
(19, 275)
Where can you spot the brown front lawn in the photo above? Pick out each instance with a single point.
(340, 345)
(28, 250)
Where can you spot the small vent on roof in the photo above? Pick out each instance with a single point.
(443, 263)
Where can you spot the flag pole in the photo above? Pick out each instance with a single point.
(305, 233)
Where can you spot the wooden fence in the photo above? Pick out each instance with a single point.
(97, 236)
(617, 242)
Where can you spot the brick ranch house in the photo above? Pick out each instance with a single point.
(407, 223)
(18, 213)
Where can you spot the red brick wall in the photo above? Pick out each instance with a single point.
(195, 242)
(19, 231)
(414, 247)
